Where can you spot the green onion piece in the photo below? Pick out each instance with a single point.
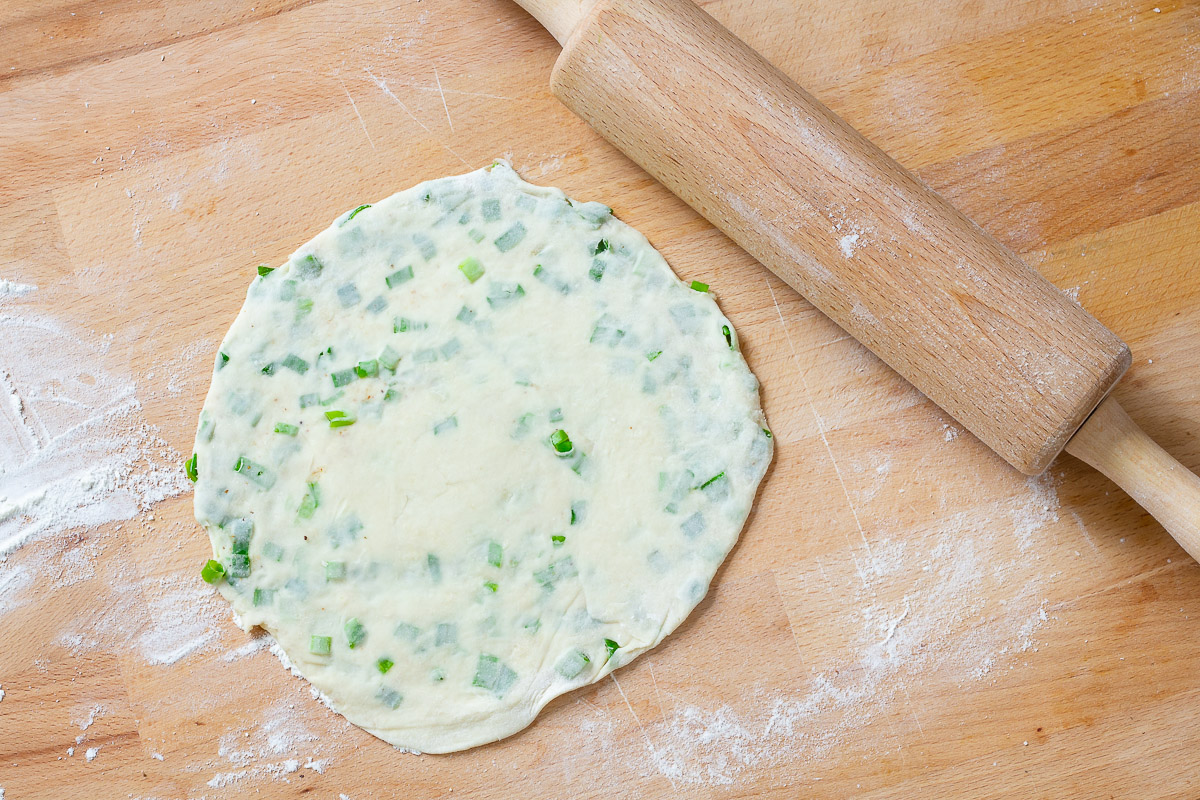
(611, 647)
(449, 423)
(335, 571)
(303, 306)
(255, 472)
(309, 267)
(273, 551)
(367, 369)
(310, 399)
(694, 525)
(600, 247)
(532, 626)
(556, 415)
(450, 348)
(597, 270)
(407, 631)
(572, 664)
(286, 429)
(212, 572)
(465, 315)
(239, 566)
(490, 208)
(383, 665)
(224, 359)
(712, 480)
(425, 245)
(343, 377)
(312, 499)
(654, 355)
(492, 586)
(348, 295)
(339, 419)
(377, 305)
(767, 433)
(493, 675)
(354, 213)
(563, 568)
(390, 697)
(728, 336)
(398, 277)
(476, 235)
(495, 554)
(328, 401)
(472, 269)
(263, 597)
(510, 238)
(403, 324)
(578, 510)
(264, 270)
(558, 539)
(437, 675)
(561, 442)
(391, 394)
(295, 363)
(189, 467)
(320, 645)
(269, 369)
(447, 633)
(699, 286)
(389, 358)
(287, 290)
(435, 567)
(355, 633)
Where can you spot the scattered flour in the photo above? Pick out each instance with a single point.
(75, 449)
(91, 753)
(9, 289)
(848, 244)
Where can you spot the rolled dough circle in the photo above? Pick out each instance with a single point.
(470, 448)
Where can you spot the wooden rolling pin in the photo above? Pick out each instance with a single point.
(944, 304)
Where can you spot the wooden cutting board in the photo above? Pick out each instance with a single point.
(904, 615)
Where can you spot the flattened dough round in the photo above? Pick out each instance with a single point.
(377, 470)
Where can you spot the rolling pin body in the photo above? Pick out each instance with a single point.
(944, 304)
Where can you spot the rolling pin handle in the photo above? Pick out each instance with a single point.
(1114, 444)
(559, 17)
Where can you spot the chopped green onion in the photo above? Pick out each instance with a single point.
(435, 567)
(494, 675)
(332, 398)
(263, 597)
(310, 399)
(343, 377)
(495, 554)
(403, 324)
(490, 208)
(398, 277)
(600, 247)
(239, 566)
(465, 315)
(355, 633)
(572, 664)
(492, 586)
(406, 631)
(699, 286)
(269, 369)
(303, 306)
(563, 568)
(712, 480)
(391, 394)
(728, 336)
(255, 472)
(367, 369)
(510, 238)
(425, 245)
(561, 442)
(295, 363)
(354, 213)
(597, 270)
(377, 305)
(383, 665)
(767, 433)
(390, 697)
(476, 235)
(450, 348)
(287, 290)
(273, 551)
(389, 358)
(502, 294)
(326, 353)
(449, 423)
(335, 571)
(212, 572)
(556, 415)
(224, 359)
(558, 539)
(532, 626)
(309, 267)
(339, 419)
(447, 633)
(286, 429)
(654, 355)
(694, 525)
(348, 295)
(312, 499)
(472, 269)
(264, 270)
(320, 645)
(437, 675)
(577, 511)
(611, 647)
(189, 467)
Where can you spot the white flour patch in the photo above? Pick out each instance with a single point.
(91, 753)
(950, 607)
(75, 449)
(10, 290)
(848, 244)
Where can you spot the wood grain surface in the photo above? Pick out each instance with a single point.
(905, 614)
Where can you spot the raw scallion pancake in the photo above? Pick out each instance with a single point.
(470, 448)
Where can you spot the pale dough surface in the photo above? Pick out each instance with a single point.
(413, 517)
